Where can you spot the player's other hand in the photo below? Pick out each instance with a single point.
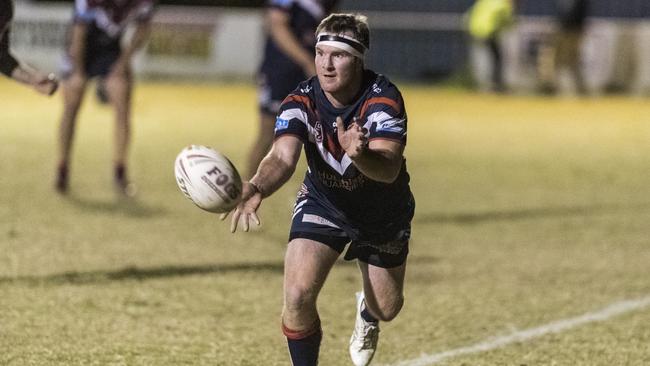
(247, 208)
(353, 139)
(46, 84)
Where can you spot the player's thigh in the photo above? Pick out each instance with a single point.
(306, 266)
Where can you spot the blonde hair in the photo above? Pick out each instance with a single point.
(354, 24)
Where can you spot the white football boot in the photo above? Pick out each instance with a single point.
(363, 342)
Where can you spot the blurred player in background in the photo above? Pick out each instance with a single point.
(288, 60)
(95, 50)
(564, 54)
(352, 123)
(487, 21)
(9, 66)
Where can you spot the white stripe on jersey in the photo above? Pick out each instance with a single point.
(387, 123)
(312, 7)
(299, 205)
(341, 166)
(292, 113)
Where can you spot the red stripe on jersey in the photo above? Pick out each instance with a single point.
(334, 147)
(383, 100)
(302, 99)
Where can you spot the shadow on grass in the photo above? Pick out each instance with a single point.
(120, 205)
(142, 274)
(524, 214)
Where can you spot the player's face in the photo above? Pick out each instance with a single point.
(337, 70)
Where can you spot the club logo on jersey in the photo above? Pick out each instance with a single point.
(306, 89)
(281, 124)
(318, 132)
(376, 88)
(392, 125)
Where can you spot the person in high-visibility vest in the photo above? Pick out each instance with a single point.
(487, 19)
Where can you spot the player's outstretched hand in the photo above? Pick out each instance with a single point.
(247, 208)
(353, 139)
(46, 84)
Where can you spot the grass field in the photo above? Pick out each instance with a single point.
(530, 211)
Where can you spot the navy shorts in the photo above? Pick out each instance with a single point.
(386, 247)
(102, 51)
(275, 85)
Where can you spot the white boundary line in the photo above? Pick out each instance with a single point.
(610, 311)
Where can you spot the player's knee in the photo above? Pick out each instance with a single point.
(389, 309)
(298, 298)
(76, 86)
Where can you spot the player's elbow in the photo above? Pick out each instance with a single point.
(387, 176)
(391, 172)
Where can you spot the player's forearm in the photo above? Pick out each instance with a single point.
(24, 74)
(272, 174)
(283, 38)
(379, 165)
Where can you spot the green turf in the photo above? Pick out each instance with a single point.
(529, 210)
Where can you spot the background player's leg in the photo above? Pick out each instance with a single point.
(307, 264)
(263, 142)
(119, 87)
(73, 91)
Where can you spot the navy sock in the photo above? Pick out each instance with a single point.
(304, 346)
(365, 314)
(120, 172)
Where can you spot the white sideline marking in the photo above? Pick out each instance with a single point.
(523, 335)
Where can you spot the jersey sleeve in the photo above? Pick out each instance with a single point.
(293, 117)
(284, 5)
(144, 11)
(84, 11)
(385, 117)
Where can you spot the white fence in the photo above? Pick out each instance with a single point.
(186, 41)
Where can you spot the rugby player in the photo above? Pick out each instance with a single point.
(95, 51)
(9, 66)
(288, 60)
(352, 124)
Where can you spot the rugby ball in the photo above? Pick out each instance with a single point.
(207, 178)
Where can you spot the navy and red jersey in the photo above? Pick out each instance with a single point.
(112, 16)
(304, 17)
(7, 62)
(332, 177)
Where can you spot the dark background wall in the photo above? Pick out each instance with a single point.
(600, 8)
(420, 54)
(615, 8)
(435, 55)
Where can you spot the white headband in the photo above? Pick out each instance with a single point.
(346, 43)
